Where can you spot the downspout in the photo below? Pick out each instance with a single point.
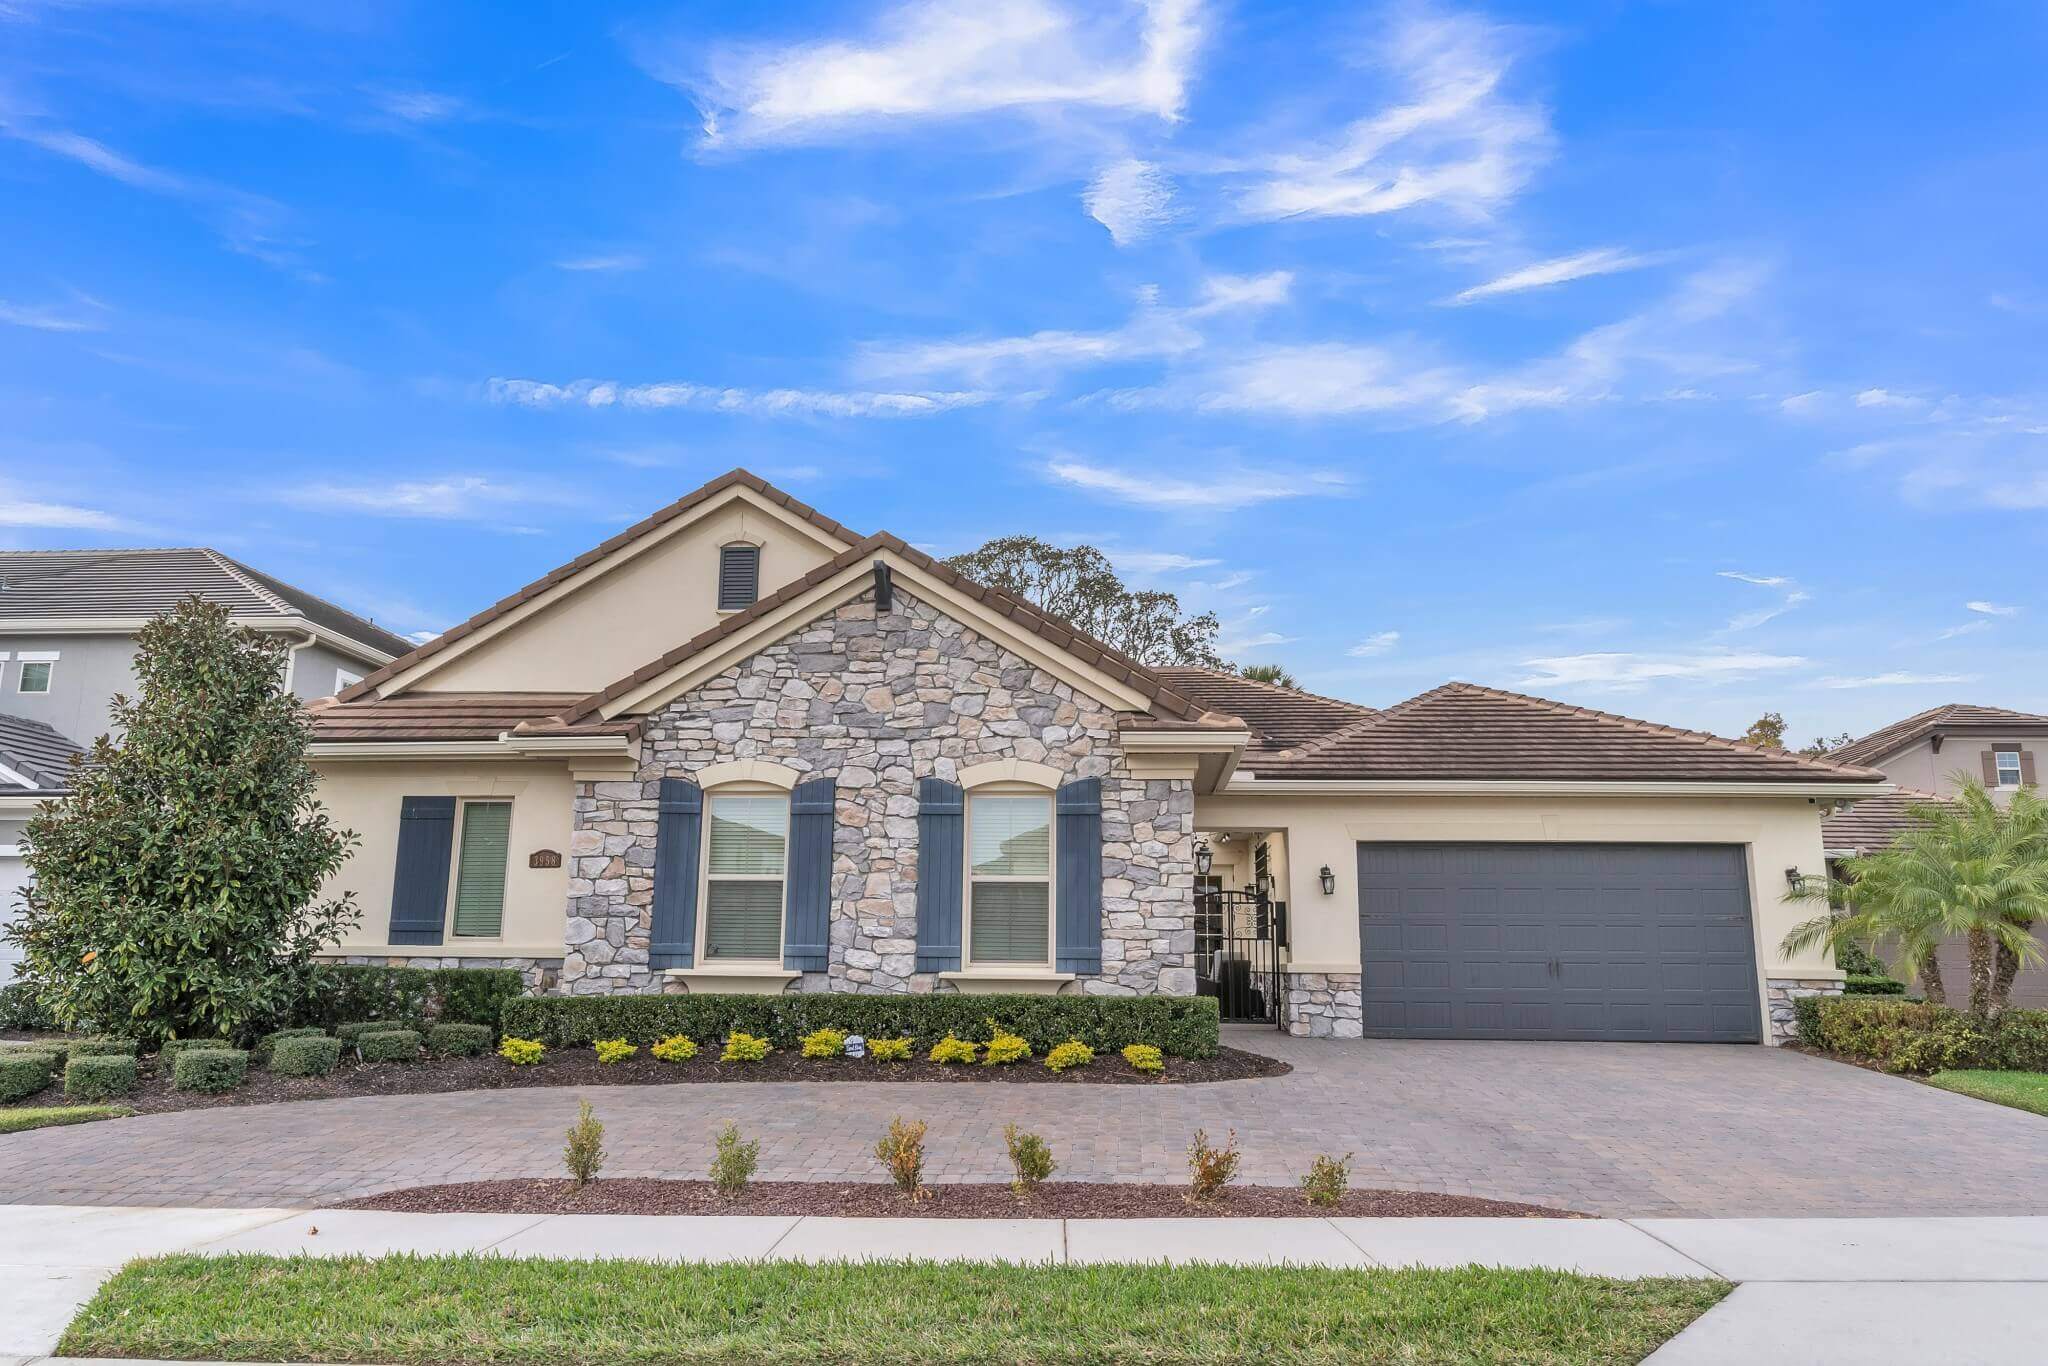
(291, 660)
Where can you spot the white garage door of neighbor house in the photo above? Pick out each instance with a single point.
(1558, 941)
(13, 874)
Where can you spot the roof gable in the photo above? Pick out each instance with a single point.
(1889, 740)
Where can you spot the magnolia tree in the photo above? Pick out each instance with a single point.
(175, 894)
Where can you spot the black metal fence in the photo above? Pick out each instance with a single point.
(1238, 938)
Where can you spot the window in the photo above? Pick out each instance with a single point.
(1009, 841)
(749, 837)
(739, 576)
(35, 673)
(344, 679)
(2008, 761)
(480, 872)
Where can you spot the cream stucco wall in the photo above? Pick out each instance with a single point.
(365, 798)
(649, 604)
(1777, 833)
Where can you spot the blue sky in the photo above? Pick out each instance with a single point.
(1683, 360)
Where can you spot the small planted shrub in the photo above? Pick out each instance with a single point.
(390, 1045)
(353, 1033)
(1072, 1053)
(584, 1153)
(521, 1052)
(172, 1049)
(614, 1050)
(901, 1151)
(675, 1048)
(743, 1047)
(307, 1055)
(1144, 1057)
(57, 1050)
(210, 1070)
(1004, 1048)
(459, 1040)
(952, 1050)
(99, 1078)
(107, 1048)
(1327, 1180)
(1210, 1169)
(824, 1043)
(267, 1045)
(890, 1050)
(733, 1160)
(1030, 1160)
(24, 1074)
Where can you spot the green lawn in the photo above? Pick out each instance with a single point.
(2020, 1090)
(481, 1309)
(44, 1116)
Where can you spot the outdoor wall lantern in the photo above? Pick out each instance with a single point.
(1204, 858)
(1329, 880)
(1795, 879)
(1265, 885)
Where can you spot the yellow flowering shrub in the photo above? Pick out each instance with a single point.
(824, 1043)
(890, 1050)
(950, 1049)
(1072, 1053)
(1145, 1057)
(675, 1048)
(521, 1052)
(614, 1050)
(741, 1046)
(1005, 1048)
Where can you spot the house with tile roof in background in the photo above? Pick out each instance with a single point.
(68, 620)
(741, 747)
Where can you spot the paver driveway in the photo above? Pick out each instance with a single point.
(1615, 1129)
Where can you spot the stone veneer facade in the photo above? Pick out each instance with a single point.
(876, 705)
(1324, 1005)
(1783, 991)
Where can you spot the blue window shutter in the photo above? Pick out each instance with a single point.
(678, 835)
(419, 889)
(941, 856)
(807, 919)
(1078, 920)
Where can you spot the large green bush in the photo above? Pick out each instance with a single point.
(1184, 1026)
(1908, 1036)
(22, 1008)
(344, 993)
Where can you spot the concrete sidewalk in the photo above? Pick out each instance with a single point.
(1840, 1289)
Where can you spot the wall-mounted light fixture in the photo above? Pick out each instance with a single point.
(1264, 885)
(1205, 859)
(1329, 880)
(1795, 879)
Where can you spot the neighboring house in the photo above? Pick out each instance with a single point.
(740, 747)
(35, 765)
(1927, 755)
(68, 620)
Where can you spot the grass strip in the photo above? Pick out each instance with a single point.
(470, 1309)
(2020, 1090)
(48, 1116)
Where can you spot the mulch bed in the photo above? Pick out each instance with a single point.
(579, 1067)
(879, 1200)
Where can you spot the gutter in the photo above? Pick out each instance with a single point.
(122, 626)
(506, 746)
(1249, 785)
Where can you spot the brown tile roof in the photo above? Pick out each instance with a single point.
(1277, 717)
(451, 716)
(1464, 731)
(589, 557)
(1874, 822)
(1952, 716)
(1167, 704)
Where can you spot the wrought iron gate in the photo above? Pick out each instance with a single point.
(1238, 938)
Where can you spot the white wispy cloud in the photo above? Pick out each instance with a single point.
(1622, 670)
(1968, 628)
(1885, 398)
(1451, 138)
(1157, 561)
(97, 156)
(1237, 645)
(1131, 198)
(1561, 270)
(458, 498)
(19, 510)
(1327, 379)
(1991, 609)
(1791, 598)
(415, 106)
(1803, 405)
(1380, 643)
(619, 261)
(1896, 679)
(592, 393)
(1227, 489)
(47, 319)
(938, 59)
(1760, 580)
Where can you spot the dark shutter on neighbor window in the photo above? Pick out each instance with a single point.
(679, 833)
(1990, 769)
(419, 888)
(807, 918)
(941, 841)
(2027, 767)
(739, 577)
(1078, 918)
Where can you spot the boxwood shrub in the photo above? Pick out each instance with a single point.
(98, 1078)
(459, 1040)
(21, 1007)
(210, 1070)
(1183, 1026)
(353, 1033)
(172, 1049)
(267, 1045)
(24, 1074)
(58, 1049)
(390, 1045)
(1860, 984)
(103, 1048)
(1909, 1036)
(305, 1055)
(341, 992)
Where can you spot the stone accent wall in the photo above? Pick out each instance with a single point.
(876, 705)
(541, 974)
(1323, 1005)
(1783, 991)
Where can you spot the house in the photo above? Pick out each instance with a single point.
(741, 747)
(68, 620)
(1927, 756)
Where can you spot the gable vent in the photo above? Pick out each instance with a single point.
(739, 577)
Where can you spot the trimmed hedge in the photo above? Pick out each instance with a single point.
(1907, 1036)
(342, 992)
(1860, 985)
(21, 1007)
(459, 1040)
(24, 1074)
(266, 1046)
(1183, 1026)
(104, 1048)
(305, 1055)
(210, 1070)
(173, 1049)
(389, 1045)
(99, 1078)
(58, 1049)
(353, 1033)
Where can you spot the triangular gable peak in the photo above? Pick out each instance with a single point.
(586, 622)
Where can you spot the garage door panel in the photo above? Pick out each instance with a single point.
(1647, 941)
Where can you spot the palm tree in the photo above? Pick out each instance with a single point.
(1970, 870)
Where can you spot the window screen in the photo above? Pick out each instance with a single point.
(1010, 869)
(743, 915)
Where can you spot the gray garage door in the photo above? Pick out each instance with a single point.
(1557, 941)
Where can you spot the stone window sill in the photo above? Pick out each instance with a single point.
(738, 981)
(982, 981)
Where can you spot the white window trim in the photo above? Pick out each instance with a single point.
(448, 934)
(28, 657)
(1998, 768)
(1009, 787)
(344, 679)
(739, 967)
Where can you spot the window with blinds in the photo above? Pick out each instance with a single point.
(480, 873)
(748, 838)
(739, 576)
(1009, 897)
